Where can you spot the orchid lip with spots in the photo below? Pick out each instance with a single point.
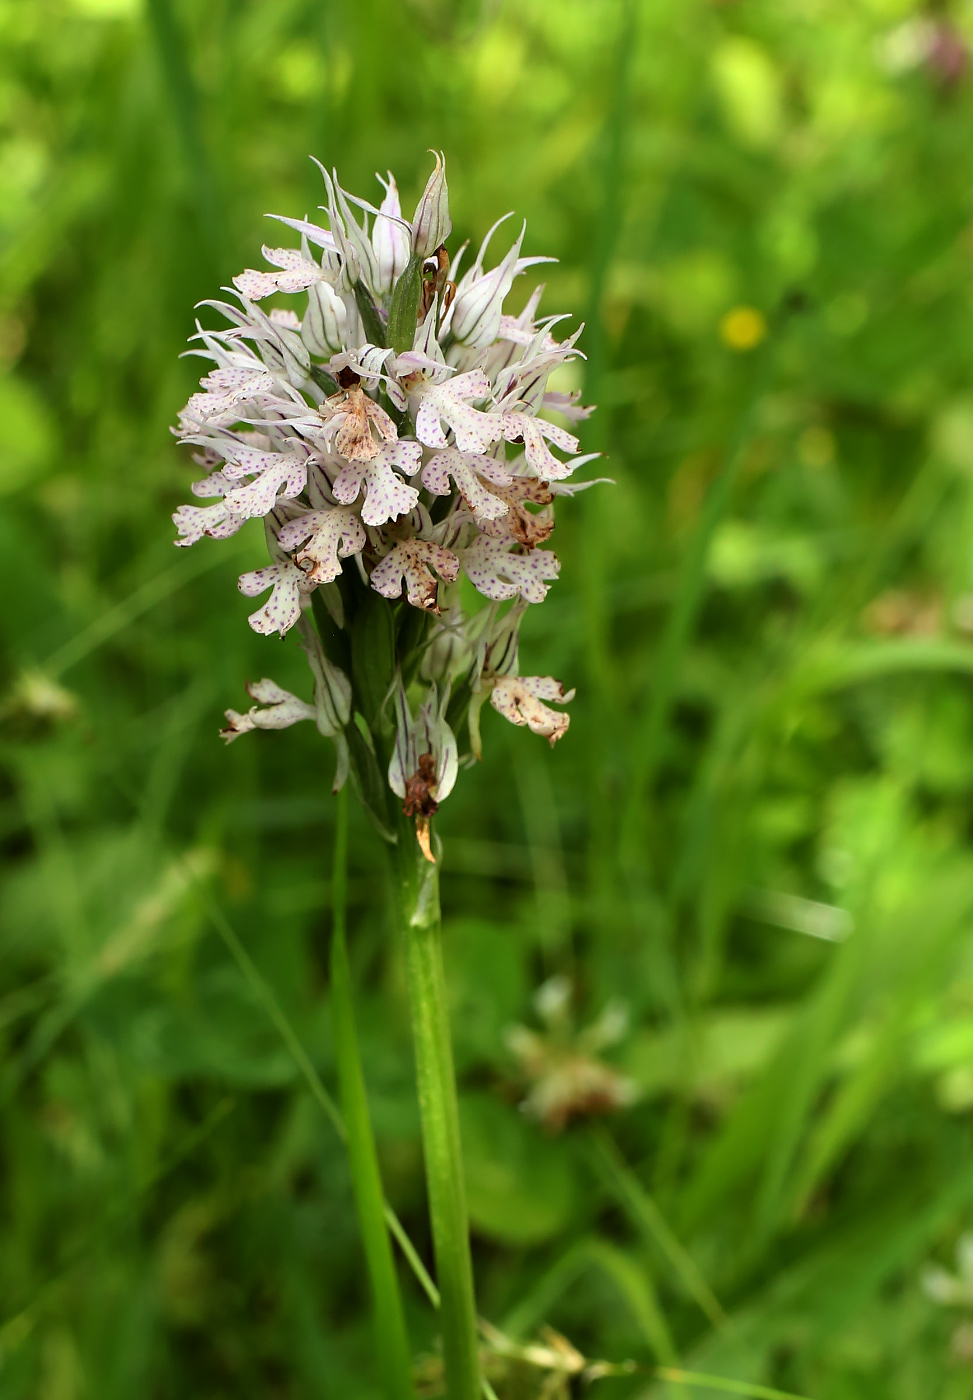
(391, 429)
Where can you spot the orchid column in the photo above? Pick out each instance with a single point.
(393, 439)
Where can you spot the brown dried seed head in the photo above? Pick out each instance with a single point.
(419, 800)
(434, 283)
(354, 438)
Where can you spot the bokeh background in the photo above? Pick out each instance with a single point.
(757, 833)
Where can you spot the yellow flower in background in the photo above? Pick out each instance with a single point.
(743, 328)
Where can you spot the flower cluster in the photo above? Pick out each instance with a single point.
(392, 438)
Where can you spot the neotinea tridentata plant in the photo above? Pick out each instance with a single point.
(391, 433)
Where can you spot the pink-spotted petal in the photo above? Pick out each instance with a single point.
(499, 573)
(464, 469)
(338, 535)
(283, 608)
(409, 562)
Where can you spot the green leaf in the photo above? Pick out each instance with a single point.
(372, 656)
(334, 639)
(370, 318)
(635, 1285)
(729, 1387)
(520, 1185)
(412, 625)
(630, 1279)
(404, 311)
(371, 789)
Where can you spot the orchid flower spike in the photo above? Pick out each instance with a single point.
(391, 429)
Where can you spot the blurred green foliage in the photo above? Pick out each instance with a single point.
(757, 831)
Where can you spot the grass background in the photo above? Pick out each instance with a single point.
(768, 620)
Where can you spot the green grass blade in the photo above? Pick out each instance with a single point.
(422, 1274)
(631, 1281)
(185, 105)
(649, 1220)
(391, 1339)
(15, 1328)
(636, 1288)
(729, 1387)
(611, 159)
(545, 1292)
(286, 1031)
(685, 609)
(134, 604)
(930, 935)
(273, 1009)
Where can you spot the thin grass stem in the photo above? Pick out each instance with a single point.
(649, 1220)
(287, 1033)
(174, 60)
(611, 160)
(15, 1328)
(729, 1387)
(682, 619)
(132, 606)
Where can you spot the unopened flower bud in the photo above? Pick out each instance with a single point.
(390, 240)
(325, 325)
(479, 305)
(431, 225)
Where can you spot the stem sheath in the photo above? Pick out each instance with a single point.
(418, 891)
(392, 1342)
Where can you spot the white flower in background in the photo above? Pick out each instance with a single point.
(955, 1290)
(390, 430)
(562, 1065)
(952, 1290)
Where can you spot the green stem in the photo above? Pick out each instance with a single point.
(392, 1342)
(418, 899)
